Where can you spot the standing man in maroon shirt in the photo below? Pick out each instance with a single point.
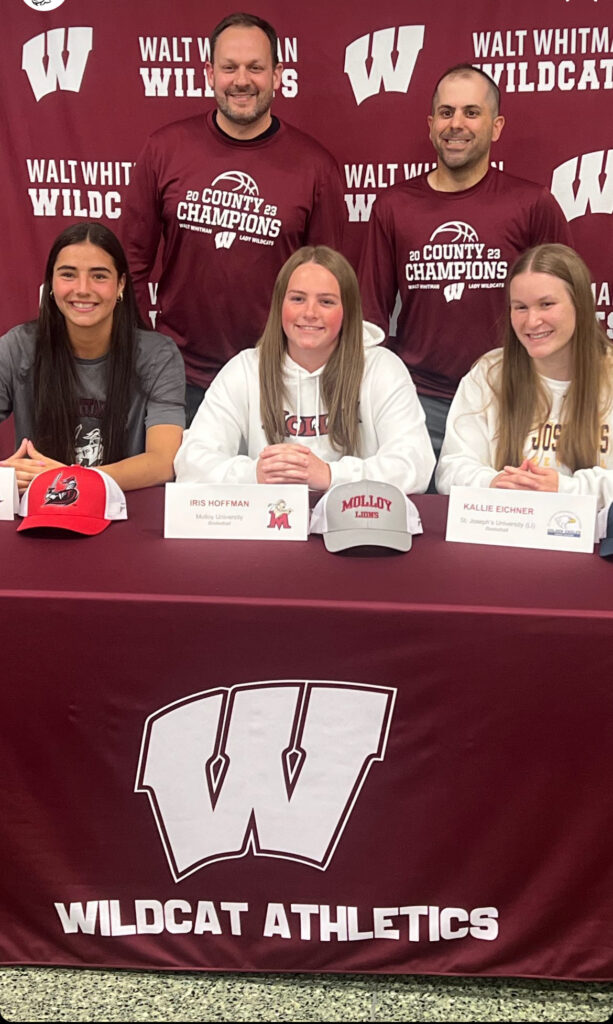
(233, 192)
(446, 240)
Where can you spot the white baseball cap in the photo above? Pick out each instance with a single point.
(365, 513)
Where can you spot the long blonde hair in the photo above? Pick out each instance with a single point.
(342, 375)
(522, 400)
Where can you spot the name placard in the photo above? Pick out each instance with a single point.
(522, 519)
(237, 511)
(9, 494)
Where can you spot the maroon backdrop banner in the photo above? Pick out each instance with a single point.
(84, 83)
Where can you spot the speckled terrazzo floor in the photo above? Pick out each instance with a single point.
(51, 994)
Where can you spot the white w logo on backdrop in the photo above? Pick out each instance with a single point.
(586, 182)
(395, 75)
(274, 768)
(67, 75)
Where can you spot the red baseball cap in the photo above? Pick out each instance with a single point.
(72, 498)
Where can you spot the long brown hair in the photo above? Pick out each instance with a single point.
(55, 375)
(342, 375)
(522, 399)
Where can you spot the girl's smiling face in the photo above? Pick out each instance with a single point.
(86, 288)
(544, 320)
(312, 315)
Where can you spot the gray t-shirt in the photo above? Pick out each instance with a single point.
(157, 398)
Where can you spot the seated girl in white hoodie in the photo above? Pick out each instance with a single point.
(317, 401)
(536, 415)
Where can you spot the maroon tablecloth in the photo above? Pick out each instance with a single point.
(261, 756)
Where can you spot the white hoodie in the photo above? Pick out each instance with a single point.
(226, 437)
(468, 453)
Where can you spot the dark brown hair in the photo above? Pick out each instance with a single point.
(464, 70)
(55, 375)
(242, 20)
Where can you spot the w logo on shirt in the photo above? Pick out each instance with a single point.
(394, 75)
(453, 291)
(68, 74)
(272, 768)
(224, 239)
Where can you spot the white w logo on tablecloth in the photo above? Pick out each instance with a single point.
(273, 768)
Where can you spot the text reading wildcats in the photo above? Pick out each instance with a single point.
(546, 59)
(97, 192)
(174, 65)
